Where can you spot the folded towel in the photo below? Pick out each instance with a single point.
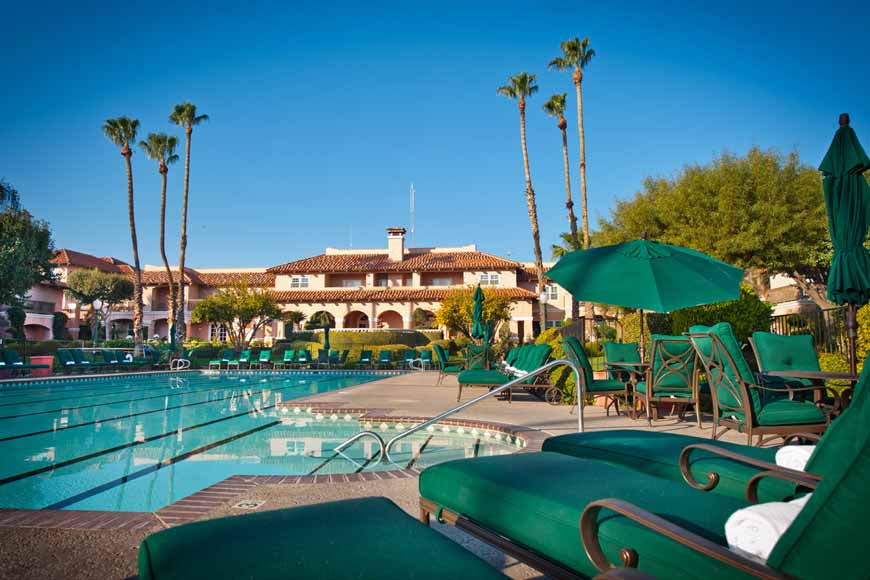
(754, 531)
(794, 456)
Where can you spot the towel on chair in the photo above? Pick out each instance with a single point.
(794, 456)
(754, 531)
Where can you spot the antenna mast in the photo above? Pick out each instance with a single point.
(412, 213)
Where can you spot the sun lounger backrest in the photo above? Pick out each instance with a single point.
(577, 354)
(777, 352)
(228, 355)
(727, 370)
(511, 357)
(65, 358)
(12, 357)
(385, 356)
(289, 355)
(621, 352)
(441, 354)
(344, 354)
(365, 356)
(265, 355)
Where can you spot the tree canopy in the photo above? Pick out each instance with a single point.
(763, 212)
(90, 286)
(26, 248)
(241, 309)
(456, 309)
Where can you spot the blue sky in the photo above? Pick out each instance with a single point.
(322, 114)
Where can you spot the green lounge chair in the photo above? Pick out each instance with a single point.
(737, 400)
(119, 361)
(85, 362)
(477, 357)
(288, 359)
(426, 358)
(610, 389)
(444, 366)
(303, 358)
(776, 352)
(226, 356)
(365, 359)
(265, 358)
(334, 358)
(15, 363)
(511, 357)
(244, 358)
(385, 359)
(66, 361)
(343, 358)
(619, 352)
(357, 538)
(322, 358)
(534, 357)
(671, 378)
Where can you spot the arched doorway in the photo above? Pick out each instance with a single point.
(390, 319)
(36, 332)
(356, 319)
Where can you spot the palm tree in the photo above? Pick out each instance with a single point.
(122, 132)
(569, 244)
(519, 87)
(184, 115)
(160, 147)
(576, 56)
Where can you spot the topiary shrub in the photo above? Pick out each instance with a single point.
(862, 343)
(746, 315)
(58, 326)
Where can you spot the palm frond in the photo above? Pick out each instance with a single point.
(519, 86)
(507, 91)
(585, 53)
(160, 147)
(558, 63)
(121, 131)
(555, 107)
(184, 115)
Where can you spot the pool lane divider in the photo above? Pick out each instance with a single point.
(140, 413)
(419, 453)
(153, 468)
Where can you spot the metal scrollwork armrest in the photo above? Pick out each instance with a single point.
(807, 480)
(630, 557)
(713, 477)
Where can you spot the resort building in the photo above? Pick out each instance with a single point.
(358, 288)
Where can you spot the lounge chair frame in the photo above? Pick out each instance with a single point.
(683, 365)
(716, 364)
(611, 396)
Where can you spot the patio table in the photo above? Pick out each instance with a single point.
(845, 396)
(636, 371)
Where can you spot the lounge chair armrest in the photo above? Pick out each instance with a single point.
(623, 574)
(807, 480)
(713, 477)
(629, 556)
(821, 387)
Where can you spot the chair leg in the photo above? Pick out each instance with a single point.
(459, 396)
(698, 412)
(424, 516)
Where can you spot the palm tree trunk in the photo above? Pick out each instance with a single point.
(569, 204)
(533, 213)
(588, 308)
(171, 307)
(137, 279)
(180, 328)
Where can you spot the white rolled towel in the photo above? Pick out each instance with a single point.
(754, 531)
(794, 456)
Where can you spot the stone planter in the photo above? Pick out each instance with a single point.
(42, 360)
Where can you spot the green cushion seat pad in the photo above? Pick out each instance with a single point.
(482, 377)
(664, 392)
(605, 385)
(536, 499)
(452, 369)
(725, 334)
(658, 453)
(357, 538)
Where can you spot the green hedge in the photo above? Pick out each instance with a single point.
(746, 315)
(346, 339)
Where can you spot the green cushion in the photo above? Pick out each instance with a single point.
(787, 412)
(357, 538)
(725, 334)
(621, 352)
(482, 377)
(536, 499)
(657, 453)
(452, 369)
(668, 371)
(600, 385)
(777, 352)
(574, 350)
(664, 392)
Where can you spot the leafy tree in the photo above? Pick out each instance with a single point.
(91, 286)
(184, 115)
(58, 326)
(294, 318)
(518, 88)
(16, 316)
(160, 147)
(122, 132)
(746, 314)
(319, 320)
(241, 309)
(456, 310)
(26, 248)
(763, 212)
(422, 319)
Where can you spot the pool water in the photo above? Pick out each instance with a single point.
(141, 443)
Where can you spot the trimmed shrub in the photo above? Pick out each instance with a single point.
(746, 315)
(836, 363)
(346, 339)
(58, 326)
(561, 377)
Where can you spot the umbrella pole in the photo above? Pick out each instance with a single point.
(852, 332)
(641, 336)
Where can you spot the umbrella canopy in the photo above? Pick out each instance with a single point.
(647, 275)
(847, 198)
(326, 336)
(477, 330)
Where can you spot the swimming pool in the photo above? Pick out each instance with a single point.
(139, 443)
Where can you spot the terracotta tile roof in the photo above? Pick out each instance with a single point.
(529, 274)
(384, 295)
(159, 277)
(413, 262)
(213, 279)
(65, 257)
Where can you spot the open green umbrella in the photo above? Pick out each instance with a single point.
(646, 275)
(847, 198)
(477, 330)
(326, 336)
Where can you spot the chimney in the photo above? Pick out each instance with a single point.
(396, 244)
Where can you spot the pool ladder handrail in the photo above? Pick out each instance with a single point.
(385, 447)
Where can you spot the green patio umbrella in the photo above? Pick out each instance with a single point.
(326, 336)
(477, 330)
(646, 275)
(847, 198)
(172, 338)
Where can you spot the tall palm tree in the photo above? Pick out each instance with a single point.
(184, 115)
(568, 245)
(518, 88)
(160, 147)
(122, 132)
(555, 107)
(576, 56)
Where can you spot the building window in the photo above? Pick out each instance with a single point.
(490, 280)
(554, 323)
(351, 283)
(552, 291)
(299, 282)
(381, 280)
(217, 332)
(442, 281)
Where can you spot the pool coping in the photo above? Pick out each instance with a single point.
(199, 504)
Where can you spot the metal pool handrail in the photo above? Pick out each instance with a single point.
(385, 450)
(341, 447)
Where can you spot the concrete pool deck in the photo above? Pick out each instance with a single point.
(31, 552)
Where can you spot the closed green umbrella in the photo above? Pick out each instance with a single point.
(477, 330)
(847, 198)
(646, 275)
(326, 336)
